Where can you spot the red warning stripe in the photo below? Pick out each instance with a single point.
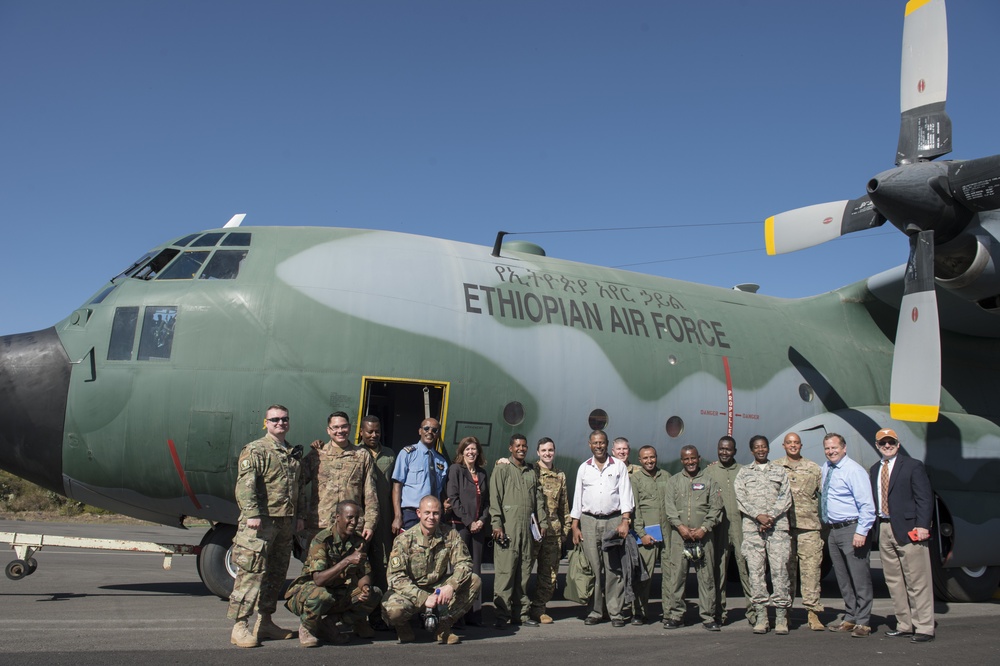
(180, 473)
(729, 394)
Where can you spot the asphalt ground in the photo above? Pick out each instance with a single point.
(101, 607)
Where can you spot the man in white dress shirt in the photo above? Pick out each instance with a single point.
(602, 500)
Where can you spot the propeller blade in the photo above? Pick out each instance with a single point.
(976, 183)
(924, 125)
(915, 392)
(805, 227)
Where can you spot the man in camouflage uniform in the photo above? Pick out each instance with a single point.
(552, 483)
(335, 580)
(338, 470)
(764, 497)
(269, 494)
(693, 507)
(514, 500)
(649, 488)
(381, 542)
(728, 536)
(419, 579)
(803, 520)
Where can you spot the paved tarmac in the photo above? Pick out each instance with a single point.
(92, 607)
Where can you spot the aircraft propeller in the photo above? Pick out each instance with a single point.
(932, 203)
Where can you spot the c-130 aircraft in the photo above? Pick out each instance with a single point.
(141, 400)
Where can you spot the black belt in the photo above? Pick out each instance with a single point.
(846, 523)
(602, 516)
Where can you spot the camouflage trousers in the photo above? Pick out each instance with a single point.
(261, 558)
(398, 608)
(728, 540)
(312, 603)
(547, 576)
(806, 562)
(759, 548)
(673, 587)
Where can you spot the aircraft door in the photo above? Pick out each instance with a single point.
(401, 404)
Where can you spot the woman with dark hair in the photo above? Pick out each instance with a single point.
(469, 493)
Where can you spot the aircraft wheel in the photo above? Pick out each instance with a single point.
(963, 584)
(17, 569)
(32, 565)
(215, 566)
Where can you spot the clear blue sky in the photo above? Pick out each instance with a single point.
(124, 124)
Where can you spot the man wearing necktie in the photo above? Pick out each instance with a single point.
(847, 510)
(420, 471)
(905, 509)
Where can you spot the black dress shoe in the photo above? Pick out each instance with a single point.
(712, 626)
(921, 638)
(530, 623)
(500, 624)
(617, 623)
(894, 633)
(638, 621)
(671, 624)
(591, 621)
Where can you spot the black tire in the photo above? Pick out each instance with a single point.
(965, 585)
(32, 565)
(16, 569)
(214, 564)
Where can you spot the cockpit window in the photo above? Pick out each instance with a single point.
(184, 241)
(207, 240)
(151, 268)
(224, 265)
(123, 334)
(238, 239)
(186, 266)
(157, 337)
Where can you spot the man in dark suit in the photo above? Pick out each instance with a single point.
(904, 503)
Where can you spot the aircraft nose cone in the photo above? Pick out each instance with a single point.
(34, 385)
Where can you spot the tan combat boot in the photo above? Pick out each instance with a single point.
(541, 616)
(242, 637)
(444, 635)
(760, 625)
(814, 622)
(780, 622)
(307, 638)
(266, 629)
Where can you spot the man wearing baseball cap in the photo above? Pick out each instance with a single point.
(904, 504)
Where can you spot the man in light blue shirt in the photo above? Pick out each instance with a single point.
(847, 509)
(420, 470)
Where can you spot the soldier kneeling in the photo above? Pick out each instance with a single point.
(335, 583)
(419, 581)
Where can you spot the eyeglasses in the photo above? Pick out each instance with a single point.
(888, 442)
(277, 419)
(339, 427)
(430, 429)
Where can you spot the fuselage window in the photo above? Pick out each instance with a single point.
(224, 265)
(157, 337)
(598, 419)
(675, 426)
(208, 240)
(185, 267)
(237, 239)
(513, 413)
(104, 294)
(123, 334)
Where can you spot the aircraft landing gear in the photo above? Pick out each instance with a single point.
(215, 566)
(18, 569)
(961, 584)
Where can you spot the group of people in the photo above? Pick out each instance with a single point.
(391, 537)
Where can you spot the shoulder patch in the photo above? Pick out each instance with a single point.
(245, 463)
(396, 561)
(411, 448)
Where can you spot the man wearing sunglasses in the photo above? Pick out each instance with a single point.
(270, 495)
(904, 504)
(420, 471)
